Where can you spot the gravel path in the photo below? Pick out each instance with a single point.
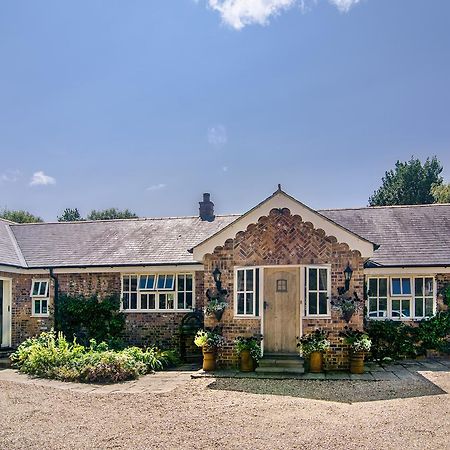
(205, 414)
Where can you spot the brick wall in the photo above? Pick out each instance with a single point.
(284, 239)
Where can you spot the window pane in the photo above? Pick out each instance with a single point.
(126, 283)
(36, 288)
(133, 301)
(144, 301)
(406, 286)
(43, 288)
(240, 303)
(257, 292)
(188, 282)
(180, 300)
(181, 282)
(428, 286)
(44, 306)
(323, 301)
(428, 307)
(170, 301)
(126, 301)
(249, 281)
(313, 279)
(162, 300)
(312, 304)
(37, 306)
(418, 287)
(142, 282)
(151, 301)
(373, 305)
(249, 303)
(188, 300)
(395, 308)
(418, 307)
(170, 282)
(133, 286)
(382, 307)
(323, 279)
(373, 288)
(396, 286)
(240, 280)
(161, 281)
(383, 287)
(406, 308)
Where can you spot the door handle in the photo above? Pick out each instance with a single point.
(266, 305)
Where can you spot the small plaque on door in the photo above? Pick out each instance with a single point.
(281, 285)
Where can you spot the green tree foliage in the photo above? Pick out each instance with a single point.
(70, 215)
(111, 213)
(19, 216)
(410, 183)
(441, 193)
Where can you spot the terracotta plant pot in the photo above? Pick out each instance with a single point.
(315, 362)
(356, 362)
(219, 314)
(246, 362)
(209, 360)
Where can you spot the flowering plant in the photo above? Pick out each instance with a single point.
(215, 305)
(359, 341)
(209, 340)
(314, 342)
(253, 344)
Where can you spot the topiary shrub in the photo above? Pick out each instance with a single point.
(89, 318)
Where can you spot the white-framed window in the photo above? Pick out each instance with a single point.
(39, 297)
(318, 290)
(423, 297)
(401, 297)
(400, 286)
(377, 294)
(247, 292)
(157, 292)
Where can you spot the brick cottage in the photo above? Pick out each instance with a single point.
(282, 263)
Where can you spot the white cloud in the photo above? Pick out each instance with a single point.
(10, 176)
(344, 5)
(156, 187)
(217, 135)
(41, 179)
(240, 13)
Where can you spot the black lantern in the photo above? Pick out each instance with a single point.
(347, 276)
(217, 275)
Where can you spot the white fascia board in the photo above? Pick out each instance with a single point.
(380, 271)
(278, 201)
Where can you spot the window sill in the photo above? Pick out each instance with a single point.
(321, 316)
(246, 316)
(40, 316)
(145, 311)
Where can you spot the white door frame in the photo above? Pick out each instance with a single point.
(6, 313)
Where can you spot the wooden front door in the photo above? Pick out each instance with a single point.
(281, 310)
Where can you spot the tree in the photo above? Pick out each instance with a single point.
(441, 193)
(111, 213)
(409, 183)
(19, 216)
(70, 215)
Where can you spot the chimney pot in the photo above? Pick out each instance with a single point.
(206, 210)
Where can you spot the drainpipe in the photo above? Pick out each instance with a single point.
(55, 298)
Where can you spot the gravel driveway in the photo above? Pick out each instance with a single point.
(209, 414)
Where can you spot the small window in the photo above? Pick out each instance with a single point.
(147, 282)
(39, 288)
(166, 282)
(401, 286)
(40, 307)
(129, 292)
(377, 297)
(423, 297)
(185, 293)
(317, 291)
(247, 292)
(282, 286)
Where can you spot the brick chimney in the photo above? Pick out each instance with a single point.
(206, 210)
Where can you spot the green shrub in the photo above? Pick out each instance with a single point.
(434, 333)
(89, 318)
(50, 355)
(392, 339)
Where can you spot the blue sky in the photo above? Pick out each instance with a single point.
(145, 104)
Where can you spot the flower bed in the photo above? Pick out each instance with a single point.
(51, 355)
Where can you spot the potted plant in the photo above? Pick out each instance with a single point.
(216, 307)
(313, 345)
(210, 342)
(359, 343)
(249, 351)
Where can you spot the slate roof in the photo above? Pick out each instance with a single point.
(114, 242)
(407, 235)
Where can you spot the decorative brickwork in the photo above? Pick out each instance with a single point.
(284, 239)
